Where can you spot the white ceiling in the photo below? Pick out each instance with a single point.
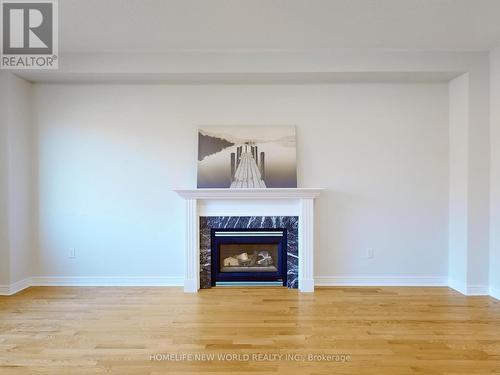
(168, 25)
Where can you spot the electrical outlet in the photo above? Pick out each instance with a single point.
(72, 252)
(370, 253)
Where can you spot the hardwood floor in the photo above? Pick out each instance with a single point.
(132, 330)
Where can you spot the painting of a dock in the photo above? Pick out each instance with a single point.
(240, 157)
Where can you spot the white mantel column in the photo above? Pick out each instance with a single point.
(306, 245)
(192, 273)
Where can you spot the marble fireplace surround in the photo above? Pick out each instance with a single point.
(289, 223)
(216, 205)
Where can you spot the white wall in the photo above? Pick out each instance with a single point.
(16, 179)
(469, 184)
(459, 183)
(495, 175)
(4, 191)
(20, 179)
(479, 180)
(109, 156)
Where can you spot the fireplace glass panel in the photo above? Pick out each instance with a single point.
(248, 257)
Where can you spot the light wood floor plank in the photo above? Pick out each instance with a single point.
(388, 330)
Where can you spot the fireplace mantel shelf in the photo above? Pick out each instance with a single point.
(268, 193)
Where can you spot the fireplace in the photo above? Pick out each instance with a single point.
(249, 256)
(290, 209)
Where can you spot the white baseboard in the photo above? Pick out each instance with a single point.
(107, 281)
(191, 286)
(306, 285)
(8, 290)
(469, 290)
(477, 290)
(495, 293)
(380, 281)
(458, 286)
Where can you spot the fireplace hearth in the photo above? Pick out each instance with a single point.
(255, 256)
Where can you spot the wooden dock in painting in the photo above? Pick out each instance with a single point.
(247, 172)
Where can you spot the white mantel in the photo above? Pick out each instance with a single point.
(296, 193)
(250, 202)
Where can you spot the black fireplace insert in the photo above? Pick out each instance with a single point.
(255, 256)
